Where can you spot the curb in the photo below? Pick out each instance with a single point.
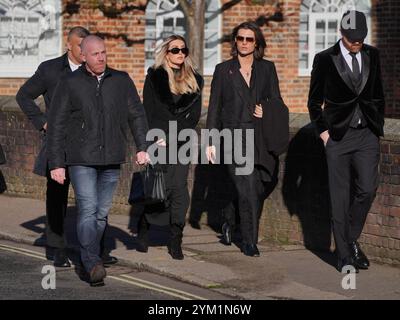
(128, 263)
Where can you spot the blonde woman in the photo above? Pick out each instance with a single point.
(172, 93)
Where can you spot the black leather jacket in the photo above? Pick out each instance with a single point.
(89, 120)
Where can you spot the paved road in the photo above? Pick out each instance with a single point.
(23, 273)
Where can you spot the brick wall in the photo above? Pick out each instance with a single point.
(296, 212)
(281, 37)
(386, 36)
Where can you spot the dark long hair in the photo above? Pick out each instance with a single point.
(260, 41)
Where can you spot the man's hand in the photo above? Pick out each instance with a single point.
(258, 111)
(58, 175)
(142, 158)
(45, 127)
(211, 154)
(324, 136)
(161, 143)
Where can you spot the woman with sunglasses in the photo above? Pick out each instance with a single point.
(172, 94)
(245, 95)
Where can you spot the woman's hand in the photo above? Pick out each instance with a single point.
(161, 143)
(258, 111)
(58, 175)
(142, 158)
(211, 154)
(325, 137)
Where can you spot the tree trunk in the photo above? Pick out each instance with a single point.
(195, 15)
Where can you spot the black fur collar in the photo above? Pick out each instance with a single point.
(159, 79)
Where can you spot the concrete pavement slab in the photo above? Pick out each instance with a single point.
(281, 272)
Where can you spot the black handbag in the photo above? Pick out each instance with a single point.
(148, 186)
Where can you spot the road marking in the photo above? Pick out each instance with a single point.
(22, 249)
(187, 294)
(123, 278)
(24, 252)
(137, 284)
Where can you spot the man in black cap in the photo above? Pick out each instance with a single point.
(346, 79)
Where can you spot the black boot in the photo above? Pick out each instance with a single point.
(227, 231)
(250, 250)
(175, 244)
(142, 242)
(61, 258)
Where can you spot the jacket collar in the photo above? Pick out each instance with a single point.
(65, 61)
(107, 71)
(339, 62)
(160, 83)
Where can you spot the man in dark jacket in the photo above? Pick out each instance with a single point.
(43, 82)
(89, 117)
(346, 78)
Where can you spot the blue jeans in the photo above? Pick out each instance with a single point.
(94, 187)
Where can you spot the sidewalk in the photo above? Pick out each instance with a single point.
(281, 272)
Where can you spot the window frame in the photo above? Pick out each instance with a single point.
(310, 32)
(160, 14)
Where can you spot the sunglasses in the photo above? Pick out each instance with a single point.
(241, 39)
(185, 51)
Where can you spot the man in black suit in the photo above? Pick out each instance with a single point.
(44, 82)
(244, 96)
(346, 79)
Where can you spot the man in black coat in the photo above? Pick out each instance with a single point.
(346, 79)
(90, 113)
(244, 96)
(43, 83)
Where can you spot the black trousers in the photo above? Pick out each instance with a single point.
(56, 209)
(177, 192)
(251, 192)
(353, 180)
(174, 210)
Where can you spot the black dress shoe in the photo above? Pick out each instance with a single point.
(360, 259)
(175, 251)
(195, 224)
(61, 259)
(227, 234)
(250, 250)
(109, 260)
(347, 265)
(97, 275)
(142, 246)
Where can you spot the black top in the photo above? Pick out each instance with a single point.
(162, 105)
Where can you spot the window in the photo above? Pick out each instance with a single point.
(165, 17)
(319, 27)
(30, 32)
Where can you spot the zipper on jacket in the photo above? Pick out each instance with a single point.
(101, 106)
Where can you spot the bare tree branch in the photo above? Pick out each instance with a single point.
(225, 7)
(129, 42)
(111, 11)
(186, 7)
